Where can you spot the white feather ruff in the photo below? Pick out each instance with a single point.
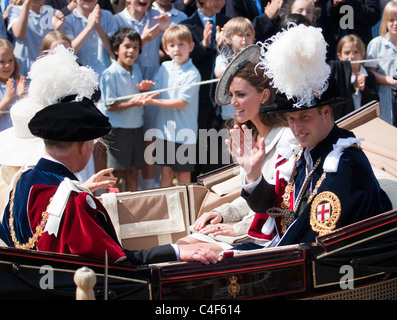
(57, 74)
(295, 61)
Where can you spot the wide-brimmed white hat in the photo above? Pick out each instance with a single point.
(53, 76)
(18, 146)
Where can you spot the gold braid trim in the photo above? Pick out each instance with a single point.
(287, 215)
(290, 187)
(39, 229)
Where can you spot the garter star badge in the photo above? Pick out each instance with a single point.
(325, 212)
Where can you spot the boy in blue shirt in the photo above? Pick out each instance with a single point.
(124, 78)
(176, 123)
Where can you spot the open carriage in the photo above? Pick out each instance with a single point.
(358, 261)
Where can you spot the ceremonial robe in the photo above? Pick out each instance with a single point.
(354, 185)
(50, 173)
(85, 229)
(45, 172)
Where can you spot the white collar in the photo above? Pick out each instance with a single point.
(308, 158)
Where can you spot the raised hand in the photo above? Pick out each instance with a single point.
(360, 81)
(150, 33)
(207, 35)
(145, 85)
(99, 180)
(248, 153)
(94, 18)
(163, 20)
(21, 87)
(58, 19)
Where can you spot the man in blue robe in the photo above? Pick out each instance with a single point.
(324, 183)
(69, 128)
(48, 171)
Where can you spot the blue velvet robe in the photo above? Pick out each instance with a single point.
(354, 184)
(45, 172)
(51, 173)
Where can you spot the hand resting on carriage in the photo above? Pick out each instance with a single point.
(211, 222)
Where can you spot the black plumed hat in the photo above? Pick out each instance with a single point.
(331, 97)
(70, 121)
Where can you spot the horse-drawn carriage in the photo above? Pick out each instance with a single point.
(358, 261)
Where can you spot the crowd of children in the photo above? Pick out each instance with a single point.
(149, 45)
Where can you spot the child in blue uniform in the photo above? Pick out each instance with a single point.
(123, 78)
(176, 124)
(29, 23)
(139, 16)
(12, 86)
(383, 48)
(90, 29)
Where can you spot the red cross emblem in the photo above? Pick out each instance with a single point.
(323, 212)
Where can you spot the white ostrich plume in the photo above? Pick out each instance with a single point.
(57, 74)
(295, 61)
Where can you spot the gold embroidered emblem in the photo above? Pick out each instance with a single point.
(234, 287)
(325, 212)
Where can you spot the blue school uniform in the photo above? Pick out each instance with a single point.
(149, 59)
(27, 50)
(176, 125)
(5, 119)
(92, 53)
(118, 82)
(382, 47)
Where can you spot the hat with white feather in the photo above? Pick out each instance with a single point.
(295, 61)
(53, 77)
